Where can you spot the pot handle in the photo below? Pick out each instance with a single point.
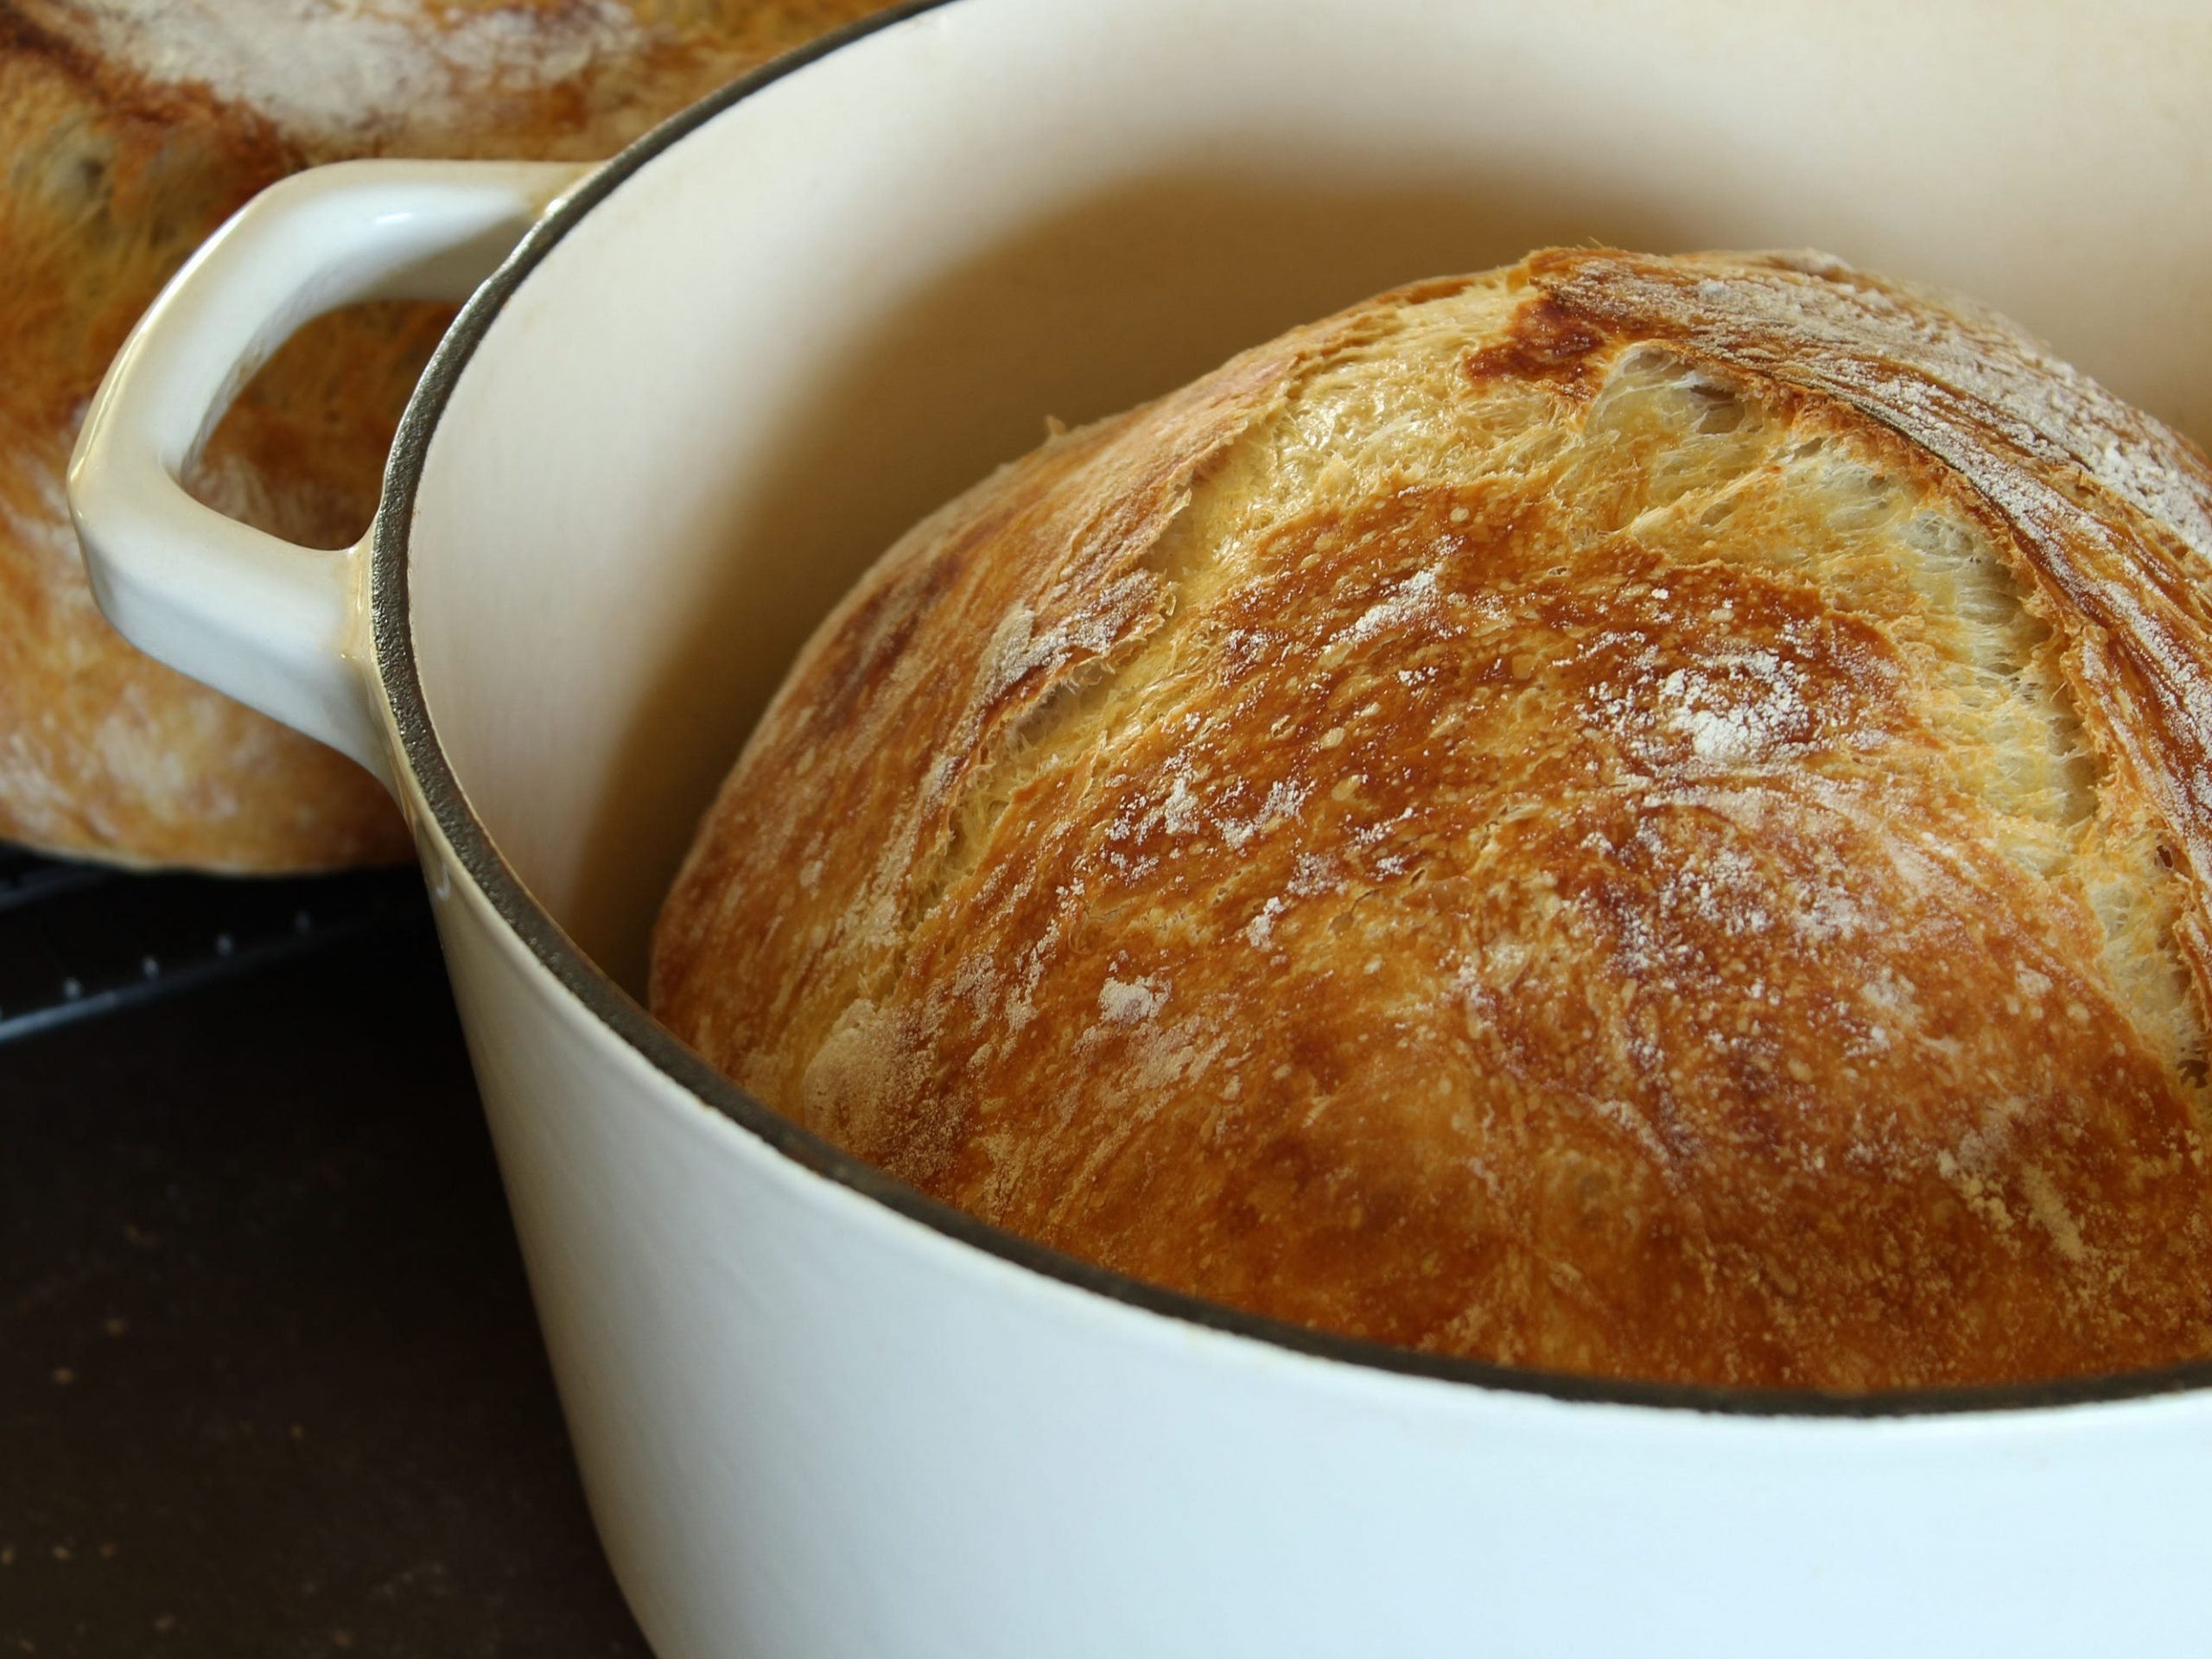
(271, 624)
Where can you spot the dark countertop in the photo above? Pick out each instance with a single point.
(270, 1379)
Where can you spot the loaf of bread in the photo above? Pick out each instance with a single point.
(1633, 816)
(129, 131)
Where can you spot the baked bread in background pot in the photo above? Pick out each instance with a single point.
(129, 129)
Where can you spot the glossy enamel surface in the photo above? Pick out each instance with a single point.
(810, 1420)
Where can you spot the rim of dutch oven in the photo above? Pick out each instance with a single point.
(608, 1001)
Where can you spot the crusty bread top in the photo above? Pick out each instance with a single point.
(1630, 815)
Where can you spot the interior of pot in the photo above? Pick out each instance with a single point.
(854, 288)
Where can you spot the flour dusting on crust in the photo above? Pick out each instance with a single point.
(1629, 815)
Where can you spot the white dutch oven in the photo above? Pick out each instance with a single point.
(817, 1414)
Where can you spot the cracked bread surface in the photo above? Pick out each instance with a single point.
(1635, 815)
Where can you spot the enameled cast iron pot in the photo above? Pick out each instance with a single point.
(817, 1414)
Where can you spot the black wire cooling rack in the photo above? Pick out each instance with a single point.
(78, 941)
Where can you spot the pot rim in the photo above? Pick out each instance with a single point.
(614, 1007)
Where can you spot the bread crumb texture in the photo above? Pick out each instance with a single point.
(129, 129)
(1632, 816)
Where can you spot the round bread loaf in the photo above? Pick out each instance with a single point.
(1633, 816)
(129, 131)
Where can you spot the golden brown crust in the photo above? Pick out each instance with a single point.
(130, 130)
(1638, 815)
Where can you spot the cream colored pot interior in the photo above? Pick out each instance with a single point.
(851, 293)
